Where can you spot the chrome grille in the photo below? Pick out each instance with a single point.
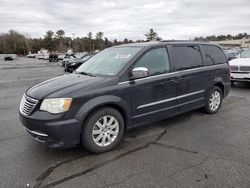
(234, 68)
(245, 68)
(27, 105)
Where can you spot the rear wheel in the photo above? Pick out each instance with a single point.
(213, 100)
(102, 130)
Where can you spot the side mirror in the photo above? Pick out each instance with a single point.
(139, 72)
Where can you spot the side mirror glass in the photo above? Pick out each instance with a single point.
(139, 72)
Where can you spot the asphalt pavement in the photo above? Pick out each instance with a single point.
(189, 150)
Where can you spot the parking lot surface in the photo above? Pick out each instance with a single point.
(190, 150)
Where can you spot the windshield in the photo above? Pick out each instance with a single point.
(246, 54)
(108, 62)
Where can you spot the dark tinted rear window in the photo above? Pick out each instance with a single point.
(186, 57)
(213, 55)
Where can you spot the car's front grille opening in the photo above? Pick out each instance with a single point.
(245, 68)
(234, 68)
(27, 105)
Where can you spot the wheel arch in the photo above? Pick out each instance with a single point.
(219, 82)
(221, 86)
(104, 101)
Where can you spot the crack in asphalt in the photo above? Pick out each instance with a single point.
(155, 141)
(106, 185)
(102, 180)
(200, 163)
(176, 148)
(124, 180)
(96, 166)
(48, 171)
(42, 177)
(232, 160)
(187, 168)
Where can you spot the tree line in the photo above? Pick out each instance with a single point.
(221, 37)
(14, 42)
(17, 43)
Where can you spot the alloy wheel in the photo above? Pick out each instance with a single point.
(215, 100)
(105, 131)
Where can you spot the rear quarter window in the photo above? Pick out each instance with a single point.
(213, 55)
(186, 57)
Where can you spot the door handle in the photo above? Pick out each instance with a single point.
(180, 79)
(168, 81)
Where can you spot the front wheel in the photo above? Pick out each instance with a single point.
(102, 130)
(213, 100)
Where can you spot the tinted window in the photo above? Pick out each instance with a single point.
(213, 55)
(156, 61)
(186, 57)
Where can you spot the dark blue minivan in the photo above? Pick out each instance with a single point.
(122, 87)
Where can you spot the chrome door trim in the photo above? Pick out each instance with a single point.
(168, 108)
(170, 99)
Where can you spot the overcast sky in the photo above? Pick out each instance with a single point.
(171, 19)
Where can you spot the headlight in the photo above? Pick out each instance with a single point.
(56, 105)
(73, 64)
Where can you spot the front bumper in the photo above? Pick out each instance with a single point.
(54, 133)
(240, 76)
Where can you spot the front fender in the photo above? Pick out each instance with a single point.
(100, 101)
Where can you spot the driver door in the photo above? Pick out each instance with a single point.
(153, 97)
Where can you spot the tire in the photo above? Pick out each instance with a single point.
(97, 138)
(232, 83)
(214, 96)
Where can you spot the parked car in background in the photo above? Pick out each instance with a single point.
(75, 63)
(8, 58)
(61, 57)
(67, 58)
(231, 55)
(31, 55)
(240, 68)
(43, 56)
(53, 57)
(123, 87)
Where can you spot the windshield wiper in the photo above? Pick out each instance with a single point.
(86, 73)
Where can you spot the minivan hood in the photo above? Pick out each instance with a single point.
(240, 61)
(60, 86)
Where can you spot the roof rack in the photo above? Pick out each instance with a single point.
(176, 40)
